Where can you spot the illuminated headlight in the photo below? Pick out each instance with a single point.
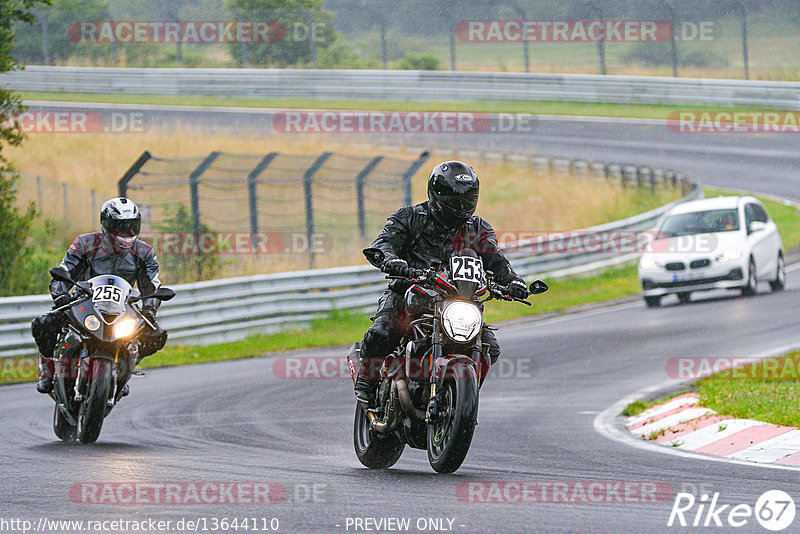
(462, 321)
(729, 255)
(124, 328)
(91, 322)
(649, 264)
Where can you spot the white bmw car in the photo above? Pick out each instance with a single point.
(716, 243)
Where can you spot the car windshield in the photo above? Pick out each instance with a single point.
(701, 222)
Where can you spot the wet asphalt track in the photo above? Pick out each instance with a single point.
(236, 421)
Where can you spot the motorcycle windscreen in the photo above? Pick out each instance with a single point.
(109, 296)
(467, 274)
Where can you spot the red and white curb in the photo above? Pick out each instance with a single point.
(681, 423)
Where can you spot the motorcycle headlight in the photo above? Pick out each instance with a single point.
(649, 264)
(461, 321)
(91, 322)
(124, 328)
(729, 255)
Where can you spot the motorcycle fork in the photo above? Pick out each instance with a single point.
(79, 375)
(115, 372)
(436, 353)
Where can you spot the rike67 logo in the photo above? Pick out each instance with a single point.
(774, 510)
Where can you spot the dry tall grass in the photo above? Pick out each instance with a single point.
(514, 197)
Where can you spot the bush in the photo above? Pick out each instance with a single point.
(425, 61)
(703, 59)
(657, 54)
(186, 267)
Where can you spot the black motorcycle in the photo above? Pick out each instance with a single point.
(429, 385)
(96, 353)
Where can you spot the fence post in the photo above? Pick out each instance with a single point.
(308, 178)
(131, 172)
(194, 180)
(39, 191)
(360, 179)
(252, 180)
(410, 173)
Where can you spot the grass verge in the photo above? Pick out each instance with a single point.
(642, 111)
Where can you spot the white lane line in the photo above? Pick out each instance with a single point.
(793, 268)
(656, 410)
(721, 430)
(672, 420)
(772, 449)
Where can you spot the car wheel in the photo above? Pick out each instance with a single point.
(652, 302)
(752, 284)
(780, 276)
(685, 298)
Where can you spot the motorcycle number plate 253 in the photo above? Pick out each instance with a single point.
(466, 269)
(107, 294)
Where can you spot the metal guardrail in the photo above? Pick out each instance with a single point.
(228, 309)
(406, 85)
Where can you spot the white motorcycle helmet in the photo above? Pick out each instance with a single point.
(120, 218)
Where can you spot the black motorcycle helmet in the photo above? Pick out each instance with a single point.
(453, 193)
(122, 220)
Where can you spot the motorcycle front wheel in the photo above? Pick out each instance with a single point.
(374, 452)
(63, 429)
(450, 436)
(93, 409)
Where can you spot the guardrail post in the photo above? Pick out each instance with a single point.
(308, 179)
(131, 172)
(410, 173)
(360, 179)
(252, 180)
(194, 181)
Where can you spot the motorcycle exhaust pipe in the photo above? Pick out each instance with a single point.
(405, 400)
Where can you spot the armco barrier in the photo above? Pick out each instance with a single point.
(406, 85)
(232, 308)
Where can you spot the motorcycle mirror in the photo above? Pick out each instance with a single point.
(538, 287)
(375, 256)
(162, 293)
(62, 275)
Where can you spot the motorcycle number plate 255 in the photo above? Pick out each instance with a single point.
(107, 294)
(466, 269)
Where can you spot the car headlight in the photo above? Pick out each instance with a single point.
(729, 255)
(91, 322)
(461, 321)
(649, 264)
(125, 328)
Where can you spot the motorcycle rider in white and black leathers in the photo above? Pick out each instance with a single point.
(116, 250)
(416, 237)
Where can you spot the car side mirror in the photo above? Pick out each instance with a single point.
(375, 256)
(757, 226)
(538, 287)
(62, 275)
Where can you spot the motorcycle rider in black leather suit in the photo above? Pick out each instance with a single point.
(416, 237)
(116, 250)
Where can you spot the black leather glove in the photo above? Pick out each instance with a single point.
(518, 289)
(397, 267)
(62, 300)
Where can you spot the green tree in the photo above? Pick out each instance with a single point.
(185, 267)
(15, 224)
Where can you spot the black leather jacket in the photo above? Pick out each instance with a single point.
(95, 254)
(412, 233)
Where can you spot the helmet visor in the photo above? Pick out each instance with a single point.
(123, 227)
(464, 203)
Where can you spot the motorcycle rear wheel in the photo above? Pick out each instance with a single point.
(373, 451)
(93, 410)
(450, 437)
